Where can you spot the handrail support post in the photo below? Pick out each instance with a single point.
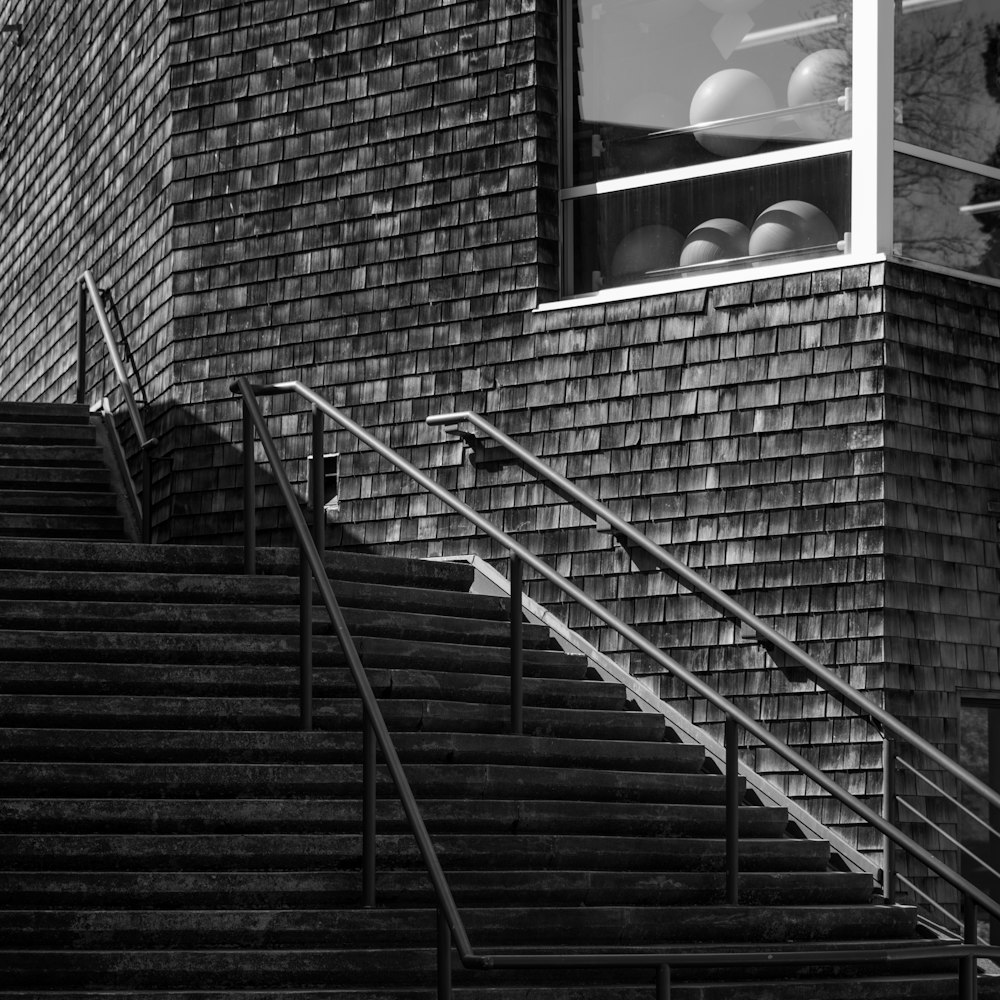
(81, 340)
(305, 642)
(732, 742)
(369, 792)
(516, 647)
(249, 497)
(663, 982)
(444, 977)
(147, 497)
(318, 480)
(968, 977)
(890, 811)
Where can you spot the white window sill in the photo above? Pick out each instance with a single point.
(714, 279)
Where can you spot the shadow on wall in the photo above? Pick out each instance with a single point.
(198, 480)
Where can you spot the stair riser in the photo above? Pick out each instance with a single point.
(476, 781)
(261, 815)
(283, 682)
(427, 716)
(399, 967)
(51, 455)
(226, 559)
(65, 503)
(47, 433)
(114, 745)
(262, 619)
(354, 928)
(214, 890)
(211, 590)
(337, 852)
(236, 648)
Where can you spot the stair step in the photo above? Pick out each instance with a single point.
(315, 815)
(346, 927)
(404, 967)
(83, 525)
(204, 648)
(256, 713)
(283, 681)
(50, 501)
(46, 432)
(477, 781)
(271, 852)
(929, 986)
(144, 889)
(228, 560)
(77, 615)
(194, 746)
(57, 479)
(52, 455)
(179, 588)
(35, 413)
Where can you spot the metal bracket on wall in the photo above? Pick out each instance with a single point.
(481, 456)
(15, 30)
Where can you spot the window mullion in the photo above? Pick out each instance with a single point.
(873, 111)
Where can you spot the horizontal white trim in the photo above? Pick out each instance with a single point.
(740, 164)
(490, 581)
(946, 160)
(712, 279)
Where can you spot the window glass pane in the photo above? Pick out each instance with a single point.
(736, 219)
(644, 69)
(947, 77)
(947, 216)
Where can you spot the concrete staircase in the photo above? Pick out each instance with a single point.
(166, 833)
(55, 481)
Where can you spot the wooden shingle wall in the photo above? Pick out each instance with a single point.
(942, 491)
(84, 177)
(357, 185)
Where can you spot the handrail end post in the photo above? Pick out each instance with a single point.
(81, 340)
(444, 977)
(516, 647)
(732, 747)
(663, 982)
(368, 816)
(249, 495)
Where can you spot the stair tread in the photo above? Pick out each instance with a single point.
(236, 588)
(292, 747)
(135, 616)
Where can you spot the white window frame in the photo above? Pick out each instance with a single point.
(872, 148)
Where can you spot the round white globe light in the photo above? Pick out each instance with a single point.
(822, 76)
(716, 239)
(732, 93)
(791, 225)
(648, 248)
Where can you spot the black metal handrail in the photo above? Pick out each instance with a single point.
(87, 289)
(891, 729)
(451, 928)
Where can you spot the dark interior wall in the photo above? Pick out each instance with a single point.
(84, 183)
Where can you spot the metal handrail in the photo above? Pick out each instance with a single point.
(829, 681)
(87, 288)
(373, 714)
(450, 925)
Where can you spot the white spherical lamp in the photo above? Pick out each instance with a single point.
(791, 225)
(822, 76)
(716, 239)
(648, 248)
(732, 93)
